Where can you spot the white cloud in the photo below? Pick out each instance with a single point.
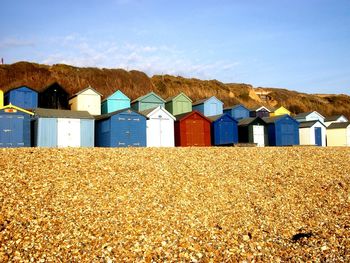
(152, 60)
(12, 42)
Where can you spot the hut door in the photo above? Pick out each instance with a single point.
(68, 132)
(318, 137)
(11, 131)
(198, 137)
(258, 135)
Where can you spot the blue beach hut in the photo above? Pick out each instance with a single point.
(23, 97)
(121, 128)
(209, 107)
(224, 130)
(117, 101)
(238, 112)
(282, 130)
(14, 127)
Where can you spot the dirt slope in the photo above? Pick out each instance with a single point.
(135, 83)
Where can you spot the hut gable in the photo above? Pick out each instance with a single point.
(178, 104)
(122, 128)
(209, 107)
(224, 130)
(117, 101)
(160, 127)
(336, 118)
(279, 111)
(23, 97)
(148, 101)
(15, 128)
(282, 130)
(54, 97)
(238, 112)
(260, 111)
(86, 100)
(192, 129)
(309, 116)
(63, 128)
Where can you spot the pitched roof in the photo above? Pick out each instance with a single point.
(303, 114)
(339, 125)
(199, 102)
(53, 113)
(334, 118)
(308, 124)
(10, 106)
(149, 111)
(204, 100)
(259, 107)
(23, 86)
(79, 92)
(145, 96)
(216, 117)
(235, 106)
(110, 114)
(186, 114)
(248, 121)
(173, 97)
(276, 118)
(118, 91)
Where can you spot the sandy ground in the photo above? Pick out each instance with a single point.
(181, 204)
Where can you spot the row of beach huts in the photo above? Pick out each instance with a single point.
(52, 118)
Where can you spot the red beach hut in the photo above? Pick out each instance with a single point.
(192, 129)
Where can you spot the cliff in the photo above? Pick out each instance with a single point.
(135, 83)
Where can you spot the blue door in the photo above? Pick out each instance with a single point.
(11, 131)
(225, 132)
(318, 136)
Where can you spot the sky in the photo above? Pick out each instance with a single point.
(301, 45)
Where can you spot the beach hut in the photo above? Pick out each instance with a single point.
(192, 129)
(15, 128)
(224, 130)
(279, 111)
(122, 128)
(252, 130)
(23, 97)
(338, 134)
(86, 100)
(63, 128)
(309, 116)
(260, 111)
(282, 130)
(1, 98)
(178, 104)
(117, 101)
(312, 133)
(54, 97)
(148, 101)
(238, 111)
(160, 127)
(336, 118)
(209, 107)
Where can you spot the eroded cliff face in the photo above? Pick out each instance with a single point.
(135, 83)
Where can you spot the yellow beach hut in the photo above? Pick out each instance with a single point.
(1, 98)
(280, 111)
(338, 134)
(86, 100)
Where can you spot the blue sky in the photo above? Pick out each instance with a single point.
(301, 45)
